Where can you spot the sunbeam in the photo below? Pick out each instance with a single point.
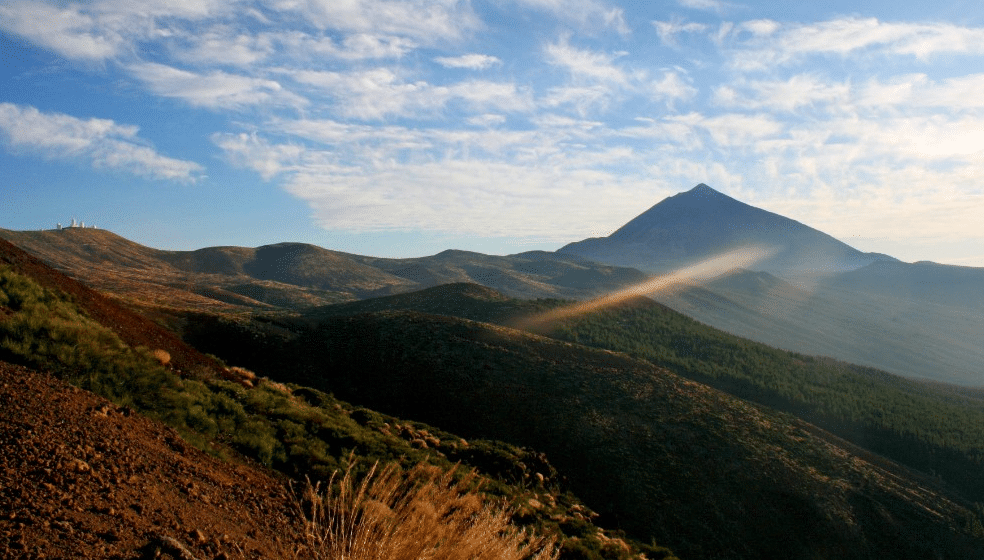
(694, 274)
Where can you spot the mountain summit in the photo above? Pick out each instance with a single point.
(702, 222)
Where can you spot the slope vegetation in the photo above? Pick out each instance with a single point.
(228, 412)
(665, 458)
(934, 428)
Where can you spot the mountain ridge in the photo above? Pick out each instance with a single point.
(702, 222)
(290, 275)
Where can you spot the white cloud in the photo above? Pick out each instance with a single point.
(215, 89)
(918, 91)
(465, 196)
(670, 87)
(101, 141)
(908, 207)
(484, 95)
(796, 92)
(251, 152)
(587, 65)
(582, 98)
(735, 130)
(222, 45)
(773, 43)
(101, 29)
(426, 21)
(67, 31)
(374, 94)
(587, 15)
(710, 5)
(307, 50)
(361, 46)
(365, 178)
(469, 61)
(379, 93)
(598, 82)
(184, 9)
(488, 120)
(668, 30)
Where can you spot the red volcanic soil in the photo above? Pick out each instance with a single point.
(83, 478)
(133, 329)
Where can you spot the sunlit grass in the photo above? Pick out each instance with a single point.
(422, 514)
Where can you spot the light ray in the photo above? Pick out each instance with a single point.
(692, 275)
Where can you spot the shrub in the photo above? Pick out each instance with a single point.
(425, 513)
(162, 356)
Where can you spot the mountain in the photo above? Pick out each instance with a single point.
(932, 283)
(289, 276)
(927, 426)
(917, 320)
(662, 457)
(667, 459)
(702, 222)
(83, 476)
(814, 295)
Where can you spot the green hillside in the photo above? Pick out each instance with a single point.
(660, 456)
(296, 430)
(935, 428)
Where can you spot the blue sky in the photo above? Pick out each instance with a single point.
(405, 127)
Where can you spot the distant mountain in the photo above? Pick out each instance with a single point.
(916, 320)
(702, 222)
(815, 294)
(940, 284)
(297, 275)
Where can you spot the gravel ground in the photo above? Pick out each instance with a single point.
(83, 478)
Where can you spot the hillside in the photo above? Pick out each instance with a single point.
(918, 320)
(229, 413)
(660, 456)
(934, 428)
(921, 321)
(84, 478)
(290, 276)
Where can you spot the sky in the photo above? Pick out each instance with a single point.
(400, 128)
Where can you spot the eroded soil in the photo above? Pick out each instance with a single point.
(83, 478)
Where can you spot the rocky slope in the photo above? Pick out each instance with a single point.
(83, 478)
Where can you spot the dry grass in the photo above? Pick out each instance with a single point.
(162, 356)
(421, 514)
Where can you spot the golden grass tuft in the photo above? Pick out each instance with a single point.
(421, 514)
(162, 356)
(241, 375)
